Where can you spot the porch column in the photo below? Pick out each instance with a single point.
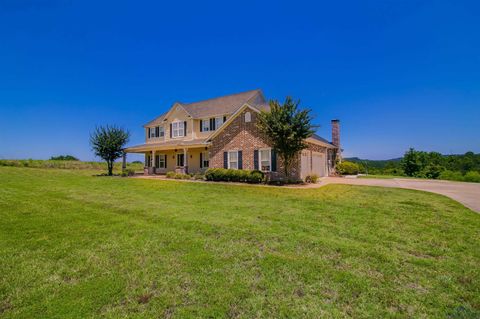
(185, 159)
(124, 161)
(152, 159)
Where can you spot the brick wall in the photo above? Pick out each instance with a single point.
(245, 136)
(239, 135)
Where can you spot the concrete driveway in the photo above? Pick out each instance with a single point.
(466, 193)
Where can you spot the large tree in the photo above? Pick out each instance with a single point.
(286, 126)
(108, 142)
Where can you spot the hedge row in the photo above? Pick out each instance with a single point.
(234, 175)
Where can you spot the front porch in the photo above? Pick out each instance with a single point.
(183, 160)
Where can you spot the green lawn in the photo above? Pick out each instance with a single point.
(77, 246)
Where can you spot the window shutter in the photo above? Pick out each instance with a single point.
(201, 160)
(212, 125)
(224, 119)
(201, 125)
(148, 133)
(157, 131)
(274, 160)
(225, 160)
(184, 128)
(170, 130)
(240, 161)
(165, 160)
(255, 159)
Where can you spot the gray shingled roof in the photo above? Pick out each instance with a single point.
(223, 105)
(318, 137)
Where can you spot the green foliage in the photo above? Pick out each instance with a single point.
(127, 172)
(348, 168)
(412, 162)
(63, 158)
(312, 178)
(451, 176)
(108, 142)
(472, 176)
(198, 176)
(174, 175)
(286, 128)
(432, 171)
(170, 174)
(431, 165)
(234, 175)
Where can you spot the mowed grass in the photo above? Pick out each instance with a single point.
(77, 246)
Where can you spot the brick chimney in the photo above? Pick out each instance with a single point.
(336, 133)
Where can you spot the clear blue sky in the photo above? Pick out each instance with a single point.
(396, 73)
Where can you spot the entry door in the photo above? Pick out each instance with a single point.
(181, 160)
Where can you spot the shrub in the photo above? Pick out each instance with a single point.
(256, 177)
(170, 174)
(198, 176)
(311, 178)
(431, 171)
(472, 176)
(63, 158)
(451, 176)
(234, 175)
(348, 168)
(127, 172)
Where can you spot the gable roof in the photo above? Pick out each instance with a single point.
(218, 106)
(318, 138)
(227, 104)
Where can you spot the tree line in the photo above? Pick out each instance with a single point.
(420, 164)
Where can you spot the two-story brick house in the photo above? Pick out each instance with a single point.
(222, 132)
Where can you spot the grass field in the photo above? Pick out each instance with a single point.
(77, 246)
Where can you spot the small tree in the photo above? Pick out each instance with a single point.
(286, 127)
(108, 142)
(412, 162)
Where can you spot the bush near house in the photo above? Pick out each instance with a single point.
(312, 179)
(234, 175)
(348, 168)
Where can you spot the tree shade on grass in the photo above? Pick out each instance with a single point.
(76, 246)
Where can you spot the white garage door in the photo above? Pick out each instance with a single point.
(313, 163)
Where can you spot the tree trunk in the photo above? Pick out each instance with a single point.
(110, 168)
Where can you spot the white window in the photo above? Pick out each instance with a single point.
(218, 122)
(178, 129)
(248, 117)
(265, 159)
(205, 159)
(161, 161)
(205, 125)
(161, 131)
(233, 159)
(152, 132)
